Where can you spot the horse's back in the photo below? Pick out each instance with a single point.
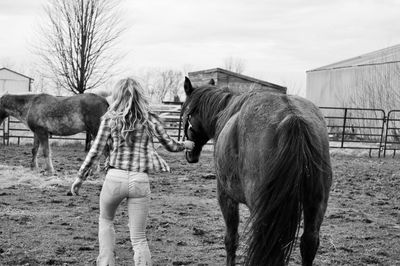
(98, 101)
(267, 110)
(262, 114)
(66, 115)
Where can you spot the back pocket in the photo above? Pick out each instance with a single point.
(139, 189)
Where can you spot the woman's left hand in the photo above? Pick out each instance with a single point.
(76, 186)
(189, 145)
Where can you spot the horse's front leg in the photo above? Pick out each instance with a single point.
(44, 141)
(36, 143)
(230, 211)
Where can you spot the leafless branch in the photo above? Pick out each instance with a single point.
(77, 43)
(234, 64)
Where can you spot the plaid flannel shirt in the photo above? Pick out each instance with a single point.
(139, 156)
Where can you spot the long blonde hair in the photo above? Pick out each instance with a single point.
(130, 108)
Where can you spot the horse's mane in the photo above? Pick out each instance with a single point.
(216, 105)
(207, 101)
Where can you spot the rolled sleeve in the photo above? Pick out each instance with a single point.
(163, 137)
(96, 149)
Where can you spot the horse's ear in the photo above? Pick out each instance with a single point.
(188, 86)
(211, 82)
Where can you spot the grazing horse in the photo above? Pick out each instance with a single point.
(45, 114)
(271, 153)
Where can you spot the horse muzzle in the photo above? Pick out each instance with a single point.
(192, 157)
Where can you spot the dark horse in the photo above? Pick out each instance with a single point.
(45, 114)
(271, 153)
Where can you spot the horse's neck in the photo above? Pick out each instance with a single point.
(212, 121)
(17, 105)
(211, 126)
(226, 110)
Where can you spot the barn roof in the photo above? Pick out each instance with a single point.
(387, 55)
(251, 79)
(22, 75)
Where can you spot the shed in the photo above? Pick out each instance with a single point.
(13, 82)
(370, 80)
(235, 81)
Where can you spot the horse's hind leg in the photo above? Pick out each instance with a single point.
(313, 216)
(36, 143)
(230, 211)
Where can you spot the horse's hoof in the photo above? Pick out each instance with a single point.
(49, 172)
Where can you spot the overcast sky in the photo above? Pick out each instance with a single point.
(278, 40)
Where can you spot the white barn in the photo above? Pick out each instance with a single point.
(367, 81)
(13, 82)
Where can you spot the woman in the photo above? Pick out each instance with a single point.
(130, 126)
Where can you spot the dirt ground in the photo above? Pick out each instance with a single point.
(41, 225)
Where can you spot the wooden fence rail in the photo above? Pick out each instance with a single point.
(14, 131)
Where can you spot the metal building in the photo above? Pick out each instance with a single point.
(13, 82)
(371, 80)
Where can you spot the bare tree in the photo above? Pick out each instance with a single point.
(7, 62)
(76, 43)
(234, 64)
(293, 86)
(169, 82)
(147, 78)
(161, 83)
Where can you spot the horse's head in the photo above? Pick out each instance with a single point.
(3, 112)
(193, 125)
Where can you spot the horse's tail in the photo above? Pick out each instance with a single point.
(278, 199)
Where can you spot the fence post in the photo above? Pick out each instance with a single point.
(344, 127)
(180, 126)
(88, 142)
(4, 132)
(8, 130)
(385, 122)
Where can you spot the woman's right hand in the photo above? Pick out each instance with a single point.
(189, 145)
(76, 186)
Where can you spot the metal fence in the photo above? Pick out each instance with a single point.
(392, 133)
(355, 128)
(348, 128)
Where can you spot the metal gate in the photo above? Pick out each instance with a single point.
(392, 134)
(355, 128)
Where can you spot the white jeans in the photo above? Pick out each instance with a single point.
(135, 187)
